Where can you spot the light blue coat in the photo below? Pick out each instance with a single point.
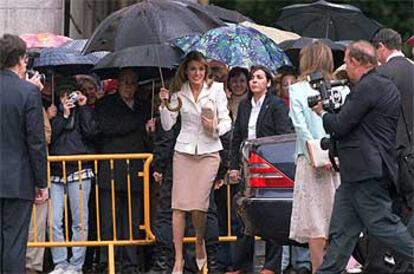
(308, 125)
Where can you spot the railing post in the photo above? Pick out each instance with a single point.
(111, 259)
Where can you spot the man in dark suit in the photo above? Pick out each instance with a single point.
(365, 129)
(23, 153)
(400, 70)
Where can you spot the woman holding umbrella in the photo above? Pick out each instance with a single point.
(204, 117)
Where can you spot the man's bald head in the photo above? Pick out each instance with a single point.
(363, 52)
(360, 57)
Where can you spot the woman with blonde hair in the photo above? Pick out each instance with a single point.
(314, 188)
(204, 118)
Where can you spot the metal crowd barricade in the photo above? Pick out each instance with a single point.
(95, 159)
(149, 237)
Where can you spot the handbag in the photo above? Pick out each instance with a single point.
(317, 155)
(406, 168)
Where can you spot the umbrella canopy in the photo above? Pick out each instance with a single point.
(147, 59)
(149, 22)
(323, 19)
(62, 59)
(293, 47)
(228, 15)
(237, 46)
(77, 45)
(43, 40)
(275, 34)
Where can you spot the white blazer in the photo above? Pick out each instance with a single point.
(193, 139)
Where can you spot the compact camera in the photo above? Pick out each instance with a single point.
(32, 72)
(73, 97)
(331, 98)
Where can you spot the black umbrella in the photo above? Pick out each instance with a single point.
(293, 47)
(149, 22)
(323, 19)
(146, 59)
(228, 15)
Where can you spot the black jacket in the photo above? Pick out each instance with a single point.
(22, 143)
(366, 129)
(401, 72)
(73, 136)
(122, 130)
(273, 120)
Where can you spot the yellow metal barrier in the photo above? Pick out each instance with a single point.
(149, 237)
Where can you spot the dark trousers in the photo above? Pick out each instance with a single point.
(358, 205)
(14, 228)
(128, 255)
(240, 254)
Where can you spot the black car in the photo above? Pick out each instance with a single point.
(265, 203)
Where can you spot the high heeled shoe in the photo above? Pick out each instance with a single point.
(179, 272)
(201, 262)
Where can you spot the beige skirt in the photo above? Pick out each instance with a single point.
(193, 177)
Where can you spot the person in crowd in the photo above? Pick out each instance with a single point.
(237, 88)
(73, 131)
(261, 114)
(23, 152)
(122, 118)
(365, 130)
(314, 189)
(287, 77)
(204, 114)
(89, 86)
(219, 71)
(37, 231)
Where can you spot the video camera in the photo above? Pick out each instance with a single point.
(331, 98)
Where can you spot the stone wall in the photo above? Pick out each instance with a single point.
(31, 16)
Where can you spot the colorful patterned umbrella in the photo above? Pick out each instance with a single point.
(236, 46)
(44, 40)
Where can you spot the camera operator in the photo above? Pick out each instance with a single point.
(365, 129)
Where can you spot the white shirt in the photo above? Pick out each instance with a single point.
(193, 138)
(254, 114)
(395, 54)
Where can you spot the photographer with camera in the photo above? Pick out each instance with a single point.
(315, 187)
(73, 130)
(365, 130)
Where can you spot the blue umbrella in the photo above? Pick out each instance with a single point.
(236, 46)
(65, 60)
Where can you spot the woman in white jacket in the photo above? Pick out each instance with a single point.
(204, 117)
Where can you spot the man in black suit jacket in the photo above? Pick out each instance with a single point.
(365, 129)
(400, 70)
(23, 153)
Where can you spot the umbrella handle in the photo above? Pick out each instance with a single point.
(171, 108)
